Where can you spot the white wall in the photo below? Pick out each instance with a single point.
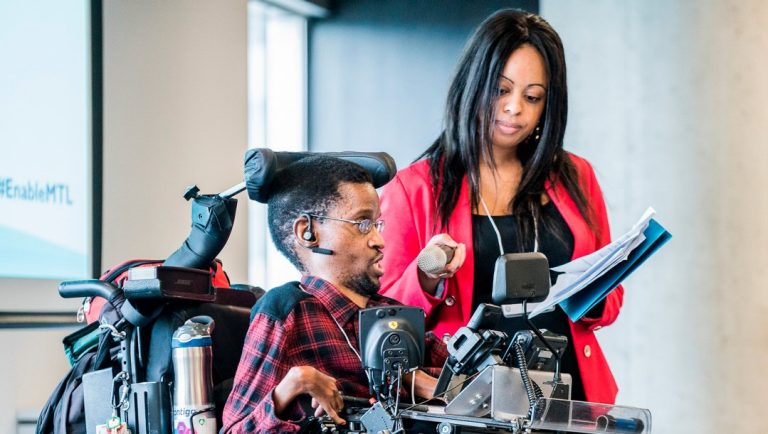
(174, 115)
(668, 102)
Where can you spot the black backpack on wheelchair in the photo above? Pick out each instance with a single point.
(128, 349)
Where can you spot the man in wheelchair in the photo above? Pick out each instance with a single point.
(302, 352)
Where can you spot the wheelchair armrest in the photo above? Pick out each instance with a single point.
(89, 288)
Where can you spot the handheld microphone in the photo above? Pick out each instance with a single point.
(433, 258)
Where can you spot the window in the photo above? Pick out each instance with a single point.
(277, 119)
(50, 136)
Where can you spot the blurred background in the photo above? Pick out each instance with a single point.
(667, 100)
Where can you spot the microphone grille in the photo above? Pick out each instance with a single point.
(431, 260)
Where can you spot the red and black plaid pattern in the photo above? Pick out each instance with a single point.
(306, 336)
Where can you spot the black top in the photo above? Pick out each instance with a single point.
(556, 243)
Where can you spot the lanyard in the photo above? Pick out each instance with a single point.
(498, 234)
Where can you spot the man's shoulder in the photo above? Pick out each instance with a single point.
(278, 302)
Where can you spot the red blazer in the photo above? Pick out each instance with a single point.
(408, 207)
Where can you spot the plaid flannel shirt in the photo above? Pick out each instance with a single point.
(303, 333)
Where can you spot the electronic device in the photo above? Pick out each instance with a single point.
(485, 317)
(391, 342)
(538, 355)
(473, 347)
(169, 283)
(500, 399)
(519, 277)
(499, 392)
(550, 415)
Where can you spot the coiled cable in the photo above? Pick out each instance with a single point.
(532, 390)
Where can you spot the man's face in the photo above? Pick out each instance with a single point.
(356, 261)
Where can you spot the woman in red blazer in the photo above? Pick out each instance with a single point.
(497, 180)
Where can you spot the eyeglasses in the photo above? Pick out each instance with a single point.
(364, 225)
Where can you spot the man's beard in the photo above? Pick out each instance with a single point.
(362, 284)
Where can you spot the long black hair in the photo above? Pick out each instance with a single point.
(469, 118)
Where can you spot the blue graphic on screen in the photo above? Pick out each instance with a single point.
(45, 124)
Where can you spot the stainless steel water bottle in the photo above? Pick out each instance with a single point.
(193, 406)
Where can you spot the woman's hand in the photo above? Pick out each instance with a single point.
(326, 397)
(429, 281)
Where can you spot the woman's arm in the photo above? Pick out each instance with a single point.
(594, 195)
(406, 234)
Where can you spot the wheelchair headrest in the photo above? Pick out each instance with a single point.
(263, 164)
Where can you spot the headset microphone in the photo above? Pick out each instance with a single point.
(309, 235)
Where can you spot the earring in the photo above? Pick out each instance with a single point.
(533, 138)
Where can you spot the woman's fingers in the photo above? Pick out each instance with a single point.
(442, 239)
(459, 255)
(456, 251)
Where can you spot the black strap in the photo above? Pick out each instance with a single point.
(138, 318)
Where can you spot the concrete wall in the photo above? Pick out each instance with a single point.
(668, 102)
(174, 115)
